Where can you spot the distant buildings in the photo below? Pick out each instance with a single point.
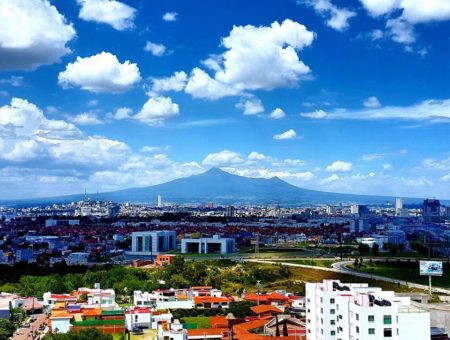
(229, 211)
(148, 244)
(398, 206)
(159, 201)
(431, 210)
(215, 244)
(356, 311)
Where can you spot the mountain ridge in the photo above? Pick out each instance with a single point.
(221, 187)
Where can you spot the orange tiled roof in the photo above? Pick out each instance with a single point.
(218, 319)
(254, 297)
(261, 309)
(208, 299)
(61, 314)
(92, 312)
(276, 296)
(246, 327)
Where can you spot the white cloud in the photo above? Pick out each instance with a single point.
(277, 114)
(15, 81)
(170, 16)
(157, 110)
(250, 105)
(373, 156)
(337, 18)
(289, 134)
(238, 69)
(339, 166)
(401, 31)
(432, 110)
(157, 50)
(111, 12)
(100, 73)
(176, 83)
(201, 85)
(222, 158)
(437, 164)
(122, 113)
(387, 166)
(87, 118)
(317, 114)
(32, 33)
(446, 178)
(331, 179)
(256, 156)
(372, 102)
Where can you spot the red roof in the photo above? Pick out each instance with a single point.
(218, 320)
(262, 309)
(254, 297)
(208, 299)
(276, 296)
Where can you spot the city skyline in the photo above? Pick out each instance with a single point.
(336, 96)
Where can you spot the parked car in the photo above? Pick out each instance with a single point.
(41, 328)
(26, 325)
(137, 330)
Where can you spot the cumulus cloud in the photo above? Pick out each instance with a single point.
(222, 158)
(157, 50)
(411, 12)
(122, 113)
(87, 118)
(317, 114)
(156, 111)
(256, 156)
(372, 102)
(32, 33)
(336, 18)
(111, 12)
(170, 16)
(289, 134)
(277, 114)
(176, 82)
(100, 73)
(251, 106)
(239, 68)
(339, 166)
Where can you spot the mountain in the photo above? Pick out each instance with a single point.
(222, 188)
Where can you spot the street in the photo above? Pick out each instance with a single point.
(26, 333)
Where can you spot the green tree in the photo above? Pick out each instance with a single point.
(85, 334)
(375, 249)
(7, 329)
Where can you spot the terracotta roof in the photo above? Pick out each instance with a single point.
(92, 312)
(261, 309)
(207, 299)
(218, 320)
(61, 314)
(245, 327)
(254, 297)
(276, 296)
(182, 297)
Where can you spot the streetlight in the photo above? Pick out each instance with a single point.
(230, 317)
(258, 286)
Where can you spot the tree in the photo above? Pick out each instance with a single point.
(356, 263)
(363, 248)
(7, 329)
(240, 309)
(393, 249)
(85, 334)
(375, 249)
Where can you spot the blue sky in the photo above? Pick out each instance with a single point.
(345, 96)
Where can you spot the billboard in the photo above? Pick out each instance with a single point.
(431, 268)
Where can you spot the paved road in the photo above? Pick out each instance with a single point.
(26, 333)
(341, 267)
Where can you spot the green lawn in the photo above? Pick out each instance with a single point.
(201, 321)
(405, 271)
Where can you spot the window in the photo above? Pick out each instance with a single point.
(332, 322)
(387, 319)
(357, 329)
(332, 311)
(321, 300)
(357, 317)
(371, 318)
(371, 331)
(321, 321)
(387, 332)
(321, 310)
(333, 333)
(331, 300)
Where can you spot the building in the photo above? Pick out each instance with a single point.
(431, 210)
(357, 311)
(148, 244)
(215, 244)
(159, 201)
(229, 211)
(163, 260)
(78, 258)
(398, 206)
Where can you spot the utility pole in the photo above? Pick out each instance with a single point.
(258, 286)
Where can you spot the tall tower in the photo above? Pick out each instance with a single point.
(159, 201)
(398, 206)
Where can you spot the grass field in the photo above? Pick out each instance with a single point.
(201, 321)
(314, 263)
(405, 271)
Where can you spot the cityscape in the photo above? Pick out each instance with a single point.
(224, 170)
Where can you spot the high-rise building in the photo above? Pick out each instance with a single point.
(431, 210)
(398, 206)
(331, 210)
(339, 311)
(229, 211)
(159, 202)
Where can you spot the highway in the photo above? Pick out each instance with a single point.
(341, 267)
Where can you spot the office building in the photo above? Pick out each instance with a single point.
(431, 210)
(339, 311)
(215, 244)
(229, 211)
(148, 244)
(398, 206)
(159, 201)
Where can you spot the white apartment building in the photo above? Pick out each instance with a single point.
(336, 311)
